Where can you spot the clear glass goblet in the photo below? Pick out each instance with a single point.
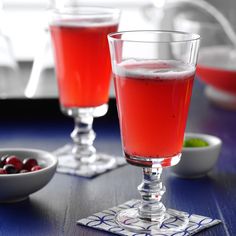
(83, 72)
(153, 76)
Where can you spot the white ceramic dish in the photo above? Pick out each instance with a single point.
(198, 161)
(217, 69)
(17, 187)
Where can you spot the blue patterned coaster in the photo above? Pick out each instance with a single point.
(67, 164)
(105, 221)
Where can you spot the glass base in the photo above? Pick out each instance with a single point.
(173, 220)
(67, 163)
(80, 111)
(150, 162)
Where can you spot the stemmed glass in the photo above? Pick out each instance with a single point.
(153, 77)
(83, 71)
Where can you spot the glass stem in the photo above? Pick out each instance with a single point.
(83, 137)
(151, 190)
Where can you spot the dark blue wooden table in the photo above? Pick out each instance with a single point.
(55, 209)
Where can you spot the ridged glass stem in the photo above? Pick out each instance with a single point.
(83, 137)
(151, 190)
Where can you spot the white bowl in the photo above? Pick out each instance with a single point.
(17, 187)
(198, 161)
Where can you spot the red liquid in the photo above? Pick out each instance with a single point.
(219, 78)
(153, 108)
(82, 63)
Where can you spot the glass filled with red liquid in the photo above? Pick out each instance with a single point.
(83, 71)
(153, 76)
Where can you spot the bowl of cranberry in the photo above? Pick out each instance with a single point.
(23, 172)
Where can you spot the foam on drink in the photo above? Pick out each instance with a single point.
(85, 23)
(154, 69)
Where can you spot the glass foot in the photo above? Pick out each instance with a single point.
(173, 220)
(102, 163)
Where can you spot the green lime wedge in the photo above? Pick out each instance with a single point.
(195, 142)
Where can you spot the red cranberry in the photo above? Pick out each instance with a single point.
(28, 163)
(15, 161)
(2, 171)
(35, 168)
(10, 169)
(24, 171)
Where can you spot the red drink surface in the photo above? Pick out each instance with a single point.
(82, 63)
(153, 100)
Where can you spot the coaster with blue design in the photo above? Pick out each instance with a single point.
(105, 221)
(68, 165)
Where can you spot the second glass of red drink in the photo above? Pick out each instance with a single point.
(83, 71)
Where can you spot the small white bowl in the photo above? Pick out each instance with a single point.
(198, 161)
(17, 187)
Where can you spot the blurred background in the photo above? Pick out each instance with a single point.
(26, 54)
(23, 20)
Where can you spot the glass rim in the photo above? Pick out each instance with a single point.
(84, 11)
(192, 36)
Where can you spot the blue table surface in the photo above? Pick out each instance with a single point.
(55, 209)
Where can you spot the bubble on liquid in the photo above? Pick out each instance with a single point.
(84, 23)
(154, 69)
